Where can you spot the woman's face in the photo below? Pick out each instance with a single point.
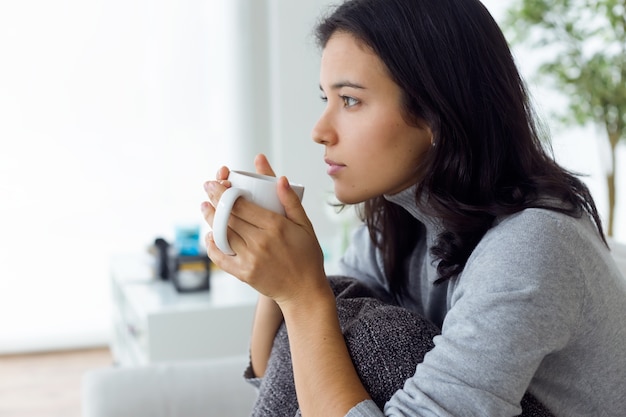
(370, 149)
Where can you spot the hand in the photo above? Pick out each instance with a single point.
(277, 255)
(261, 165)
(208, 207)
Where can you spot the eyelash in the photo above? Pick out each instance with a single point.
(345, 100)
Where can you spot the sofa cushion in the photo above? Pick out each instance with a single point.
(179, 389)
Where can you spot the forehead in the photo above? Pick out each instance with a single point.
(346, 56)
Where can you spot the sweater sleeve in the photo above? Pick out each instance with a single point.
(365, 408)
(250, 377)
(518, 299)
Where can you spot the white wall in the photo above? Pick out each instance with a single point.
(108, 129)
(296, 105)
(113, 113)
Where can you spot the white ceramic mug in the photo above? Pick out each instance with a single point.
(257, 188)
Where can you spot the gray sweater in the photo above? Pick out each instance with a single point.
(540, 305)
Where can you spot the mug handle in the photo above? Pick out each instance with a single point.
(220, 220)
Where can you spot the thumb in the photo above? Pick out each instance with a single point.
(263, 166)
(291, 202)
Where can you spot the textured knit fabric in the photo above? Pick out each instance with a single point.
(539, 306)
(385, 342)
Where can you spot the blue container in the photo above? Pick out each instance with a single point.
(187, 241)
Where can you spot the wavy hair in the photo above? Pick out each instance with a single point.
(457, 76)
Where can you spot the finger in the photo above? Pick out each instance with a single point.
(241, 208)
(222, 173)
(208, 212)
(263, 166)
(215, 189)
(218, 257)
(235, 240)
(291, 202)
(234, 265)
(244, 215)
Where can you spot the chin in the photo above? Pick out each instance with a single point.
(349, 198)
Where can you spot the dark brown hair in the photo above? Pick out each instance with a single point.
(458, 76)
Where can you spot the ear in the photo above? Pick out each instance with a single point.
(432, 137)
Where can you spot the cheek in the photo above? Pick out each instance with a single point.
(407, 154)
(414, 156)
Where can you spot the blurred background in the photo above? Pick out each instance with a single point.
(113, 114)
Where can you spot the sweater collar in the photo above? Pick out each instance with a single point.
(406, 200)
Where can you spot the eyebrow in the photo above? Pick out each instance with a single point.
(342, 84)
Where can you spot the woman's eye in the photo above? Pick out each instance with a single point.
(324, 98)
(349, 101)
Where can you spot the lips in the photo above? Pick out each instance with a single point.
(333, 167)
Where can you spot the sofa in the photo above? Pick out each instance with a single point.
(203, 388)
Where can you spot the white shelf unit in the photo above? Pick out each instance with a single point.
(152, 322)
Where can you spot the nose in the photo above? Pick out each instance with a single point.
(323, 132)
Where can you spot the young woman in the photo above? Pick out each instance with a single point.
(467, 222)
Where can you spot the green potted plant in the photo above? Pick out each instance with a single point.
(586, 61)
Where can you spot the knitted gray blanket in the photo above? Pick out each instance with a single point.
(386, 343)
